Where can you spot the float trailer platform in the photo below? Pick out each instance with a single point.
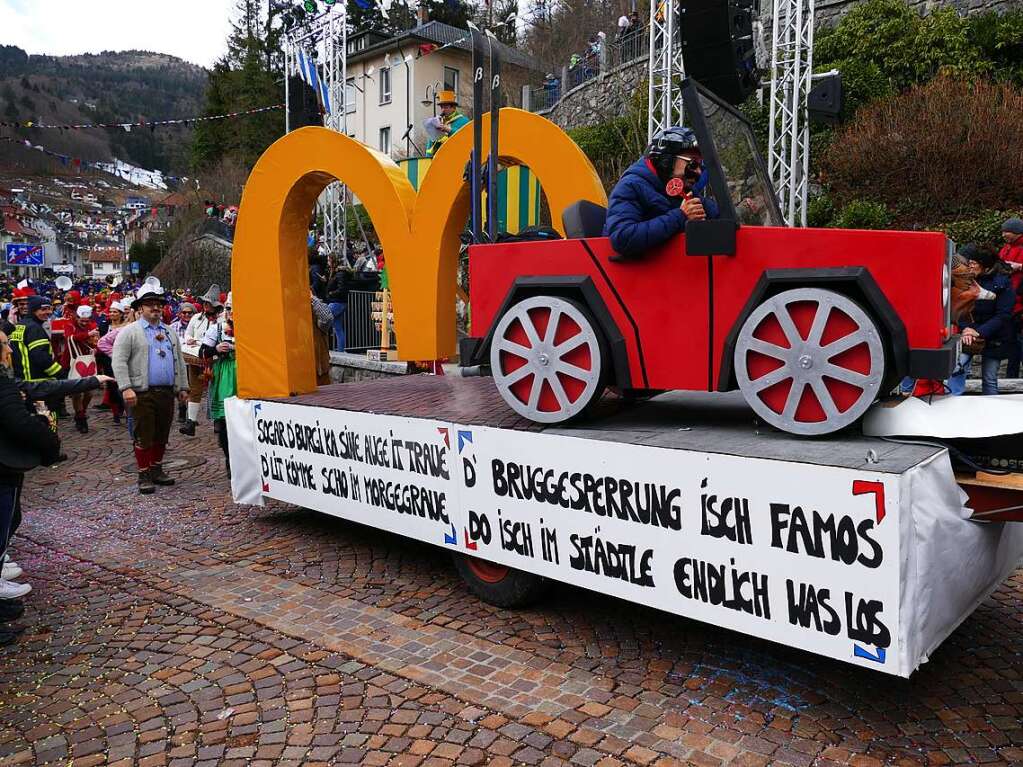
(854, 547)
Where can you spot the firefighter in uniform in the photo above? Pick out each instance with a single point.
(33, 356)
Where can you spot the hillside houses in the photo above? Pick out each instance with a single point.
(80, 222)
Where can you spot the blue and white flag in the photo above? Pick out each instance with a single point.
(307, 71)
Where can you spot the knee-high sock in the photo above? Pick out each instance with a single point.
(157, 451)
(143, 457)
(193, 411)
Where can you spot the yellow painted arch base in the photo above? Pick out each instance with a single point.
(419, 234)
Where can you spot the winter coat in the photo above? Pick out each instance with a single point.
(26, 440)
(36, 343)
(640, 216)
(992, 317)
(338, 287)
(61, 387)
(1014, 254)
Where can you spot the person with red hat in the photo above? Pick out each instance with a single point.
(20, 310)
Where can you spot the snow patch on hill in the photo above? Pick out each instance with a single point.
(151, 179)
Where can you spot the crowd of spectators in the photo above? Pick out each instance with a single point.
(333, 278)
(61, 344)
(987, 308)
(586, 64)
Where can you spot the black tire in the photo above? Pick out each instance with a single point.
(516, 588)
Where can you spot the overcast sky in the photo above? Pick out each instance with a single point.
(194, 30)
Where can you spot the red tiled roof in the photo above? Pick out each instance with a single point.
(13, 226)
(104, 256)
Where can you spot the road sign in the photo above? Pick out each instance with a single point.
(24, 254)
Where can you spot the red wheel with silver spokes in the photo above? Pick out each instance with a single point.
(546, 358)
(809, 361)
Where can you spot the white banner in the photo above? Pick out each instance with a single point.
(808, 556)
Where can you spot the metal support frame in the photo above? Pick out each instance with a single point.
(328, 35)
(788, 159)
(667, 69)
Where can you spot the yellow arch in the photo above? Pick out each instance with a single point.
(419, 234)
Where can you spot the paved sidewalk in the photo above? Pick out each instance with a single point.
(181, 629)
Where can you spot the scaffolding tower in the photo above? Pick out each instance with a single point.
(664, 106)
(326, 35)
(789, 129)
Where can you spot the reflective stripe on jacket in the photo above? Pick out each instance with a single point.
(33, 356)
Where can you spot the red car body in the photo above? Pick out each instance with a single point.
(676, 311)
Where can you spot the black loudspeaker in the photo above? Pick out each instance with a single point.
(303, 106)
(824, 101)
(718, 48)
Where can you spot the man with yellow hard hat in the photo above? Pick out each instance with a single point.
(448, 123)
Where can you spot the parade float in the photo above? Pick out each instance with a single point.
(726, 477)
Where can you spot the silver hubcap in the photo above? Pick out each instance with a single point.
(810, 362)
(551, 373)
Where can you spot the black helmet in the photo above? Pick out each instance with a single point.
(672, 141)
(666, 145)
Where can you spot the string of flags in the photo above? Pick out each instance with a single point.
(142, 123)
(75, 163)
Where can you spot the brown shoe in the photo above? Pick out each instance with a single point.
(146, 486)
(156, 473)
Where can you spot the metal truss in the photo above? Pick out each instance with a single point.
(789, 134)
(327, 35)
(666, 67)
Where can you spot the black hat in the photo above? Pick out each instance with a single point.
(983, 256)
(147, 292)
(37, 302)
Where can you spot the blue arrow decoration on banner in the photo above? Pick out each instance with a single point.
(859, 652)
(451, 539)
(463, 437)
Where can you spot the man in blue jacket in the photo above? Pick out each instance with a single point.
(642, 214)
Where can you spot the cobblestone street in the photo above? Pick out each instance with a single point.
(181, 629)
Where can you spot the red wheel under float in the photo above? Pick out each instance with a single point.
(498, 584)
(488, 572)
(546, 358)
(809, 361)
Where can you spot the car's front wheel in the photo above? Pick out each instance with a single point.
(547, 358)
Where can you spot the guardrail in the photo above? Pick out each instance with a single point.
(363, 321)
(629, 47)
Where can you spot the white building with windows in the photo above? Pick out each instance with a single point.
(393, 82)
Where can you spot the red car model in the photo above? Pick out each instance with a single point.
(811, 325)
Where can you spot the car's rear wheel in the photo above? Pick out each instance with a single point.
(500, 585)
(547, 358)
(810, 361)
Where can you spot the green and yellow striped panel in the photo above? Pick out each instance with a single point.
(518, 193)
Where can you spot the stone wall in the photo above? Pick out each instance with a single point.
(830, 10)
(601, 98)
(345, 368)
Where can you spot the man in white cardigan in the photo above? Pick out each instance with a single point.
(150, 372)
